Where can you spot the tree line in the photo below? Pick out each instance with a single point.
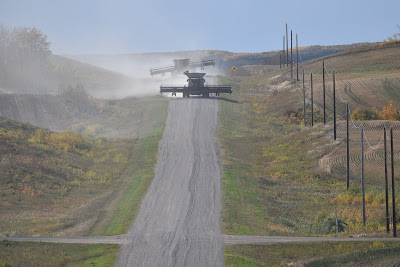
(22, 45)
(23, 55)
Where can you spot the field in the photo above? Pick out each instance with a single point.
(273, 183)
(69, 184)
(44, 254)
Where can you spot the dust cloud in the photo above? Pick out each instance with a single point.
(137, 68)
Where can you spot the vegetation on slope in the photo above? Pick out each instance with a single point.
(75, 110)
(69, 184)
(272, 182)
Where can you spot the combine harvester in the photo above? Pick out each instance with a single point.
(181, 65)
(195, 87)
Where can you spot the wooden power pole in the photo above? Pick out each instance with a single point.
(297, 59)
(291, 55)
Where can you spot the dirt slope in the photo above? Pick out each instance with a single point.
(179, 220)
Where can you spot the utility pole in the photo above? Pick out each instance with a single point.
(304, 100)
(386, 183)
(297, 59)
(323, 86)
(283, 52)
(334, 106)
(312, 103)
(347, 149)
(393, 191)
(337, 224)
(362, 174)
(280, 61)
(291, 55)
(287, 47)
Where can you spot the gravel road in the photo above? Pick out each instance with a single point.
(179, 220)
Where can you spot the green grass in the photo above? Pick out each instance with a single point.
(268, 173)
(313, 254)
(47, 254)
(126, 206)
(380, 257)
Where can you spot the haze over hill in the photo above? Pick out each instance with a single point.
(138, 65)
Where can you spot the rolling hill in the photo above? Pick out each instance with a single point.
(271, 167)
(138, 65)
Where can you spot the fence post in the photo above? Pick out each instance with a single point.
(362, 174)
(312, 102)
(334, 106)
(347, 149)
(393, 191)
(323, 86)
(304, 100)
(386, 183)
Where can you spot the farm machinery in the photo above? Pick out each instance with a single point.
(196, 86)
(180, 65)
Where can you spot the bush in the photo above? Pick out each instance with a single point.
(389, 112)
(362, 114)
(328, 225)
(67, 141)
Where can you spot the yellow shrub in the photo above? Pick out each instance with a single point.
(389, 112)
(68, 140)
(358, 115)
(12, 136)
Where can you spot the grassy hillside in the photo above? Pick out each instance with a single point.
(272, 180)
(76, 110)
(64, 72)
(70, 184)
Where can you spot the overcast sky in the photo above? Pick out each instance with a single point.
(79, 26)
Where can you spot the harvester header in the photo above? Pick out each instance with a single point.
(180, 65)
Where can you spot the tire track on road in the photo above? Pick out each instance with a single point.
(179, 220)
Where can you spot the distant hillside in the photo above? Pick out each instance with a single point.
(27, 65)
(365, 77)
(75, 110)
(138, 65)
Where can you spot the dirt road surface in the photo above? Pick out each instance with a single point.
(179, 220)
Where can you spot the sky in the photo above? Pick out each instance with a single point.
(122, 26)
